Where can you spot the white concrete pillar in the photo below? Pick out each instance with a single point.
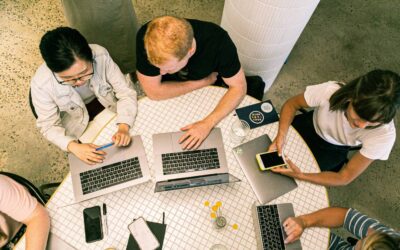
(265, 31)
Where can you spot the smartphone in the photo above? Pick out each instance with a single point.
(92, 222)
(269, 160)
(143, 235)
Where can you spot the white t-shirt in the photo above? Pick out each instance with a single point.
(334, 127)
(16, 205)
(86, 93)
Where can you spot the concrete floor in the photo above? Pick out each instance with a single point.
(343, 40)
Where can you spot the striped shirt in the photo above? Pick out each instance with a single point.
(358, 224)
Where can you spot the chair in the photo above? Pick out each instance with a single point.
(255, 86)
(38, 193)
(33, 190)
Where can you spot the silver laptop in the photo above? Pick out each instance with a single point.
(55, 243)
(176, 168)
(268, 221)
(123, 167)
(267, 185)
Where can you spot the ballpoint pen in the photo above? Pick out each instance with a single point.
(105, 146)
(105, 218)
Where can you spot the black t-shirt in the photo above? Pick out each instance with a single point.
(215, 52)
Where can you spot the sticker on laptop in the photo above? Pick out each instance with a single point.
(258, 114)
(266, 107)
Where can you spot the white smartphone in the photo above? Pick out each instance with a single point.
(143, 235)
(269, 160)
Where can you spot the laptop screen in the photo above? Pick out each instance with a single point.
(197, 181)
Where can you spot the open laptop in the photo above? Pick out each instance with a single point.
(123, 167)
(268, 221)
(267, 185)
(176, 168)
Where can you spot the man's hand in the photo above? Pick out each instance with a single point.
(292, 170)
(294, 227)
(122, 137)
(195, 134)
(86, 152)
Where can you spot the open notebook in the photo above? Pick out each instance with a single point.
(97, 125)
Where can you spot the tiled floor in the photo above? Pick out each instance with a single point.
(342, 40)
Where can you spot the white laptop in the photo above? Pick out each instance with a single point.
(176, 168)
(123, 167)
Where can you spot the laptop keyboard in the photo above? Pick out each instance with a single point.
(110, 175)
(188, 161)
(270, 227)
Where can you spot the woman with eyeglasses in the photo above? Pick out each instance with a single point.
(357, 114)
(76, 82)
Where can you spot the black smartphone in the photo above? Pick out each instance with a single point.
(93, 224)
(269, 160)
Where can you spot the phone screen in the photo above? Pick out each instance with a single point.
(271, 159)
(93, 225)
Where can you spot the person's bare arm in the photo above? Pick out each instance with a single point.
(37, 228)
(198, 131)
(357, 164)
(288, 112)
(330, 217)
(156, 90)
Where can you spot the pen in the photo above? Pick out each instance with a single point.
(105, 146)
(105, 218)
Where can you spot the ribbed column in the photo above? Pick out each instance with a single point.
(265, 31)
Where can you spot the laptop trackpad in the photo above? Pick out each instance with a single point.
(175, 145)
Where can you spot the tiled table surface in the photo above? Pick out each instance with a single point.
(188, 220)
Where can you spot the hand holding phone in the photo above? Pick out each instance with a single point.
(269, 160)
(143, 235)
(92, 223)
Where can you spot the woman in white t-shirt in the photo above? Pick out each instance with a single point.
(359, 113)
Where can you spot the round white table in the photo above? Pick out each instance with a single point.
(189, 223)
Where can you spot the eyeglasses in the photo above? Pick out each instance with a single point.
(75, 80)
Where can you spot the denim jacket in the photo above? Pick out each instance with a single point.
(62, 114)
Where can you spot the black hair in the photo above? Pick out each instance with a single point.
(60, 48)
(374, 96)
